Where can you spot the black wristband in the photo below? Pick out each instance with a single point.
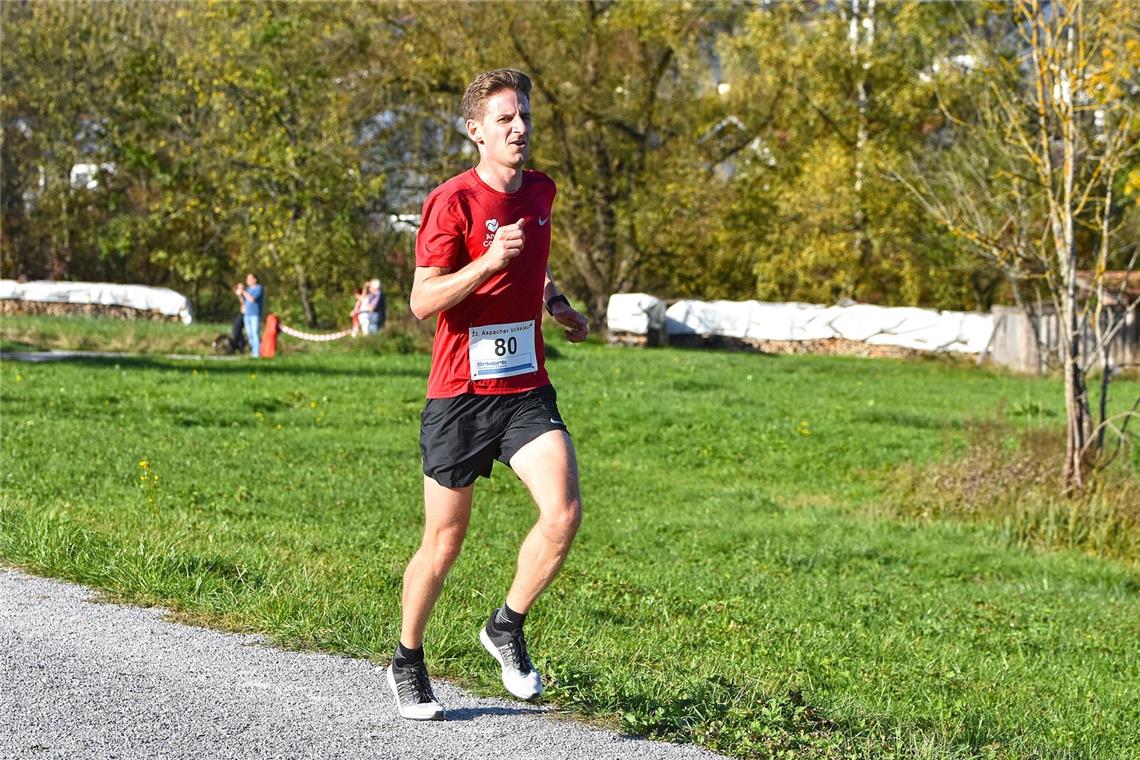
(553, 300)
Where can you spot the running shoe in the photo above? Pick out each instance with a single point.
(509, 648)
(412, 688)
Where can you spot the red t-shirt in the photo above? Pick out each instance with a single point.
(458, 224)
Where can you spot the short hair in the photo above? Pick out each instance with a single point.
(487, 84)
(255, 278)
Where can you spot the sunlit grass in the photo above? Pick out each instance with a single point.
(731, 584)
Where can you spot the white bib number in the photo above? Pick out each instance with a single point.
(501, 350)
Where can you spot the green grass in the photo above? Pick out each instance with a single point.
(78, 333)
(402, 334)
(732, 583)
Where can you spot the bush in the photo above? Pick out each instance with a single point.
(1012, 479)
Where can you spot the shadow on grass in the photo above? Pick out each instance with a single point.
(218, 364)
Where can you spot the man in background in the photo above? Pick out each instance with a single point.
(252, 297)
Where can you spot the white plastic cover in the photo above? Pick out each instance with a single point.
(163, 300)
(922, 329)
(637, 313)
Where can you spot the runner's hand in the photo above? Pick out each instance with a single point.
(508, 243)
(577, 326)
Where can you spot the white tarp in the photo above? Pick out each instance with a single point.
(163, 300)
(921, 329)
(637, 313)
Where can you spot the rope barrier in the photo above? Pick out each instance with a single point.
(313, 336)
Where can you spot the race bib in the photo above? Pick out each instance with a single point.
(501, 350)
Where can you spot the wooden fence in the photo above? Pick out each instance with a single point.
(1014, 344)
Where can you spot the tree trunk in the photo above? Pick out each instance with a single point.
(59, 265)
(1076, 391)
(306, 297)
(597, 313)
(861, 36)
(1076, 400)
(1102, 321)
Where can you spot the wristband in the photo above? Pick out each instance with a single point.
(556, 299)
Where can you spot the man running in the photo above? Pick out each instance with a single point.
(481, 266)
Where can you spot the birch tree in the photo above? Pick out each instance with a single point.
(861, 41)
(1032, 185)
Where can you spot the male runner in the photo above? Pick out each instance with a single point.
(481, 265)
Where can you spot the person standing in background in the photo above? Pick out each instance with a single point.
(372, 308)
(357, 308)
(377, 308)
(252, 296)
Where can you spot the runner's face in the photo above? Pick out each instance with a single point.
(504, 130)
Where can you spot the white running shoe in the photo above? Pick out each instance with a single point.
(414, 697)
(509, 648)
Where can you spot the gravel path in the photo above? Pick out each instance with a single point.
(84, 679)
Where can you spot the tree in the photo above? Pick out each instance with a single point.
(1032, 181)
(821, 217)
(622, 84)
(277, 140)
(49, 128)
(622, 94)
(236, 136)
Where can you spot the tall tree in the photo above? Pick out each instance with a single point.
(236, 137)
(621, 98)
(50, 127)
(1032, 179)
(827, 220)
(273, 83)
(622, 83)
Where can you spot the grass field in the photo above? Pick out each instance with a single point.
(44, 333)
(734, 583)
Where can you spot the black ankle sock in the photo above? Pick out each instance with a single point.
(405, 657)
(506, 619)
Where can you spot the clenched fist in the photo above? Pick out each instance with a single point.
(507, 244)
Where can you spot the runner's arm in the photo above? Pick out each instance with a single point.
(436, 289)
(577, 326)
(549, 289)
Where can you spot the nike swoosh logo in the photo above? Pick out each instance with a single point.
(542, 222)
(557, 422)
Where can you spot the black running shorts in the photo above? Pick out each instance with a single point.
(461, 437)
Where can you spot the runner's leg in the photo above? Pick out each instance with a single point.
(549, 469)
(446, 514)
